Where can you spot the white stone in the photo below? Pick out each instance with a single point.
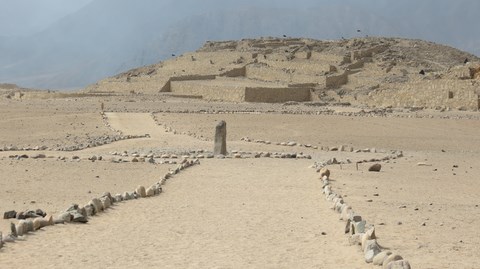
(346, 212)
(37, 222)
(21, 228)
(324, 172)
(391, 258)
(29, 225)
(380, 257)
(355, 239)
(371, 250)
(150, 192)
(106, 202)
(400, 264)
(97, 205)
(140, 190)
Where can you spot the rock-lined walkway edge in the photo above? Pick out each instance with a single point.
(359, 232)
(81, 214)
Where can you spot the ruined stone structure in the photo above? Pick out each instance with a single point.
(375, 72)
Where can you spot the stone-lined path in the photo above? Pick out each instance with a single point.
(221, 214)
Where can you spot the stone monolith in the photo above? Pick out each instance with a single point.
(220, 147)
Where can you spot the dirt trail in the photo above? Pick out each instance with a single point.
(136, 124)
(141, 124)
(248, 214)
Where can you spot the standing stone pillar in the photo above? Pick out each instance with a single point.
(220, 147)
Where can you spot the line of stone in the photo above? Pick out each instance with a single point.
(324, 148)
(77, 214)
(266, 142)
(376, 113)
(94, 142)
(361, 233)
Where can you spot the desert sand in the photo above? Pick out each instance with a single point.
(237, 212)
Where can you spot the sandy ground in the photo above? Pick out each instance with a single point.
(53, 185)
(243, 213)
(207, 218)
(360, 132)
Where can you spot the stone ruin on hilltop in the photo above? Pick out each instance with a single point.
(376, 72)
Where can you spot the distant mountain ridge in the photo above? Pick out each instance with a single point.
(107, 37)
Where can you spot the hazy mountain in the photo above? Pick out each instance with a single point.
(109, 36)
(25, 17)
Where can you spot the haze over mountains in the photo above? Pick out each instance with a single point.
(106, 37)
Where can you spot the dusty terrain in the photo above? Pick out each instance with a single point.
(232, 213)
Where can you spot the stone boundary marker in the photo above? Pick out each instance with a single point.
(406, 113)
(360, 233)
(80, 214)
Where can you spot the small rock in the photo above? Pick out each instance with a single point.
(13, 229)
(106, 202)
(80, 218)
(29, 225)
(21, 215)
(347, 226)
(355, 239)
(371, 250)
(358, 227)
(126, 196)
(37, 223)
(391, 258)
(400, 264)
(63, 217)
(346, 210)
(355, 218)
(89, 210)
(40, 213)
(10, 214)
(380, 257)
(31, 214)
(375, 168)
(20, 228)
(118, 198)
(140, 190)
(150, 192)
(97, 205)
(324, 172)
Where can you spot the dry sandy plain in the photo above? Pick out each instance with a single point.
(238, 213)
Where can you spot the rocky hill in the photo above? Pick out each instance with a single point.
(107, 37)
(374, 72)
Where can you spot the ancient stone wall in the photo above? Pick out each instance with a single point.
(141, 85)
(276, 95)
(209, 91)
(168, 86)
(280, 75)
(236, 72)
(356, 65)
(336, 81)
(236, 93)
(455, 94)
(359, 54)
